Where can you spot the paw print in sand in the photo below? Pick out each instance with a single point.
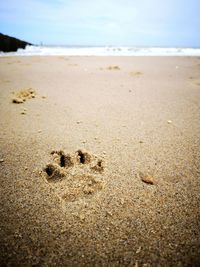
(75, 176)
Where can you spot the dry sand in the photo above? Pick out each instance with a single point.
(102, 167)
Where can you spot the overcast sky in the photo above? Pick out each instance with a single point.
(103, 22)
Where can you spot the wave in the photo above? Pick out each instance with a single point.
(102, 51)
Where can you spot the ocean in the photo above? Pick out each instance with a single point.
(102, 51)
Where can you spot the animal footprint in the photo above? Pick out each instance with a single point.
(75, 176)
(23, 95)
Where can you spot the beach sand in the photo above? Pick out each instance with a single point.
(101, 167)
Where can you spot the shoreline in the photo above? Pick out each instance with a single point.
(105, 51)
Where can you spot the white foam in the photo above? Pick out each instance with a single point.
(102, 51)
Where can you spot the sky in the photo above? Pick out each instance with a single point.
(164, 23)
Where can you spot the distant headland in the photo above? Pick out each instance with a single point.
(11, 44)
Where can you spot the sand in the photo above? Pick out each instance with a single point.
(101, 167)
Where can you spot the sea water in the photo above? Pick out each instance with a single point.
(102, 51)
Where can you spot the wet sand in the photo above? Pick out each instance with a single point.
(101, 167)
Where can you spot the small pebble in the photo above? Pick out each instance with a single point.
(138, 250)
(122, 201)
(82, 217)
(148, 179)
(63, 231)
(1, 160)
(109, 213)
(169, 121)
